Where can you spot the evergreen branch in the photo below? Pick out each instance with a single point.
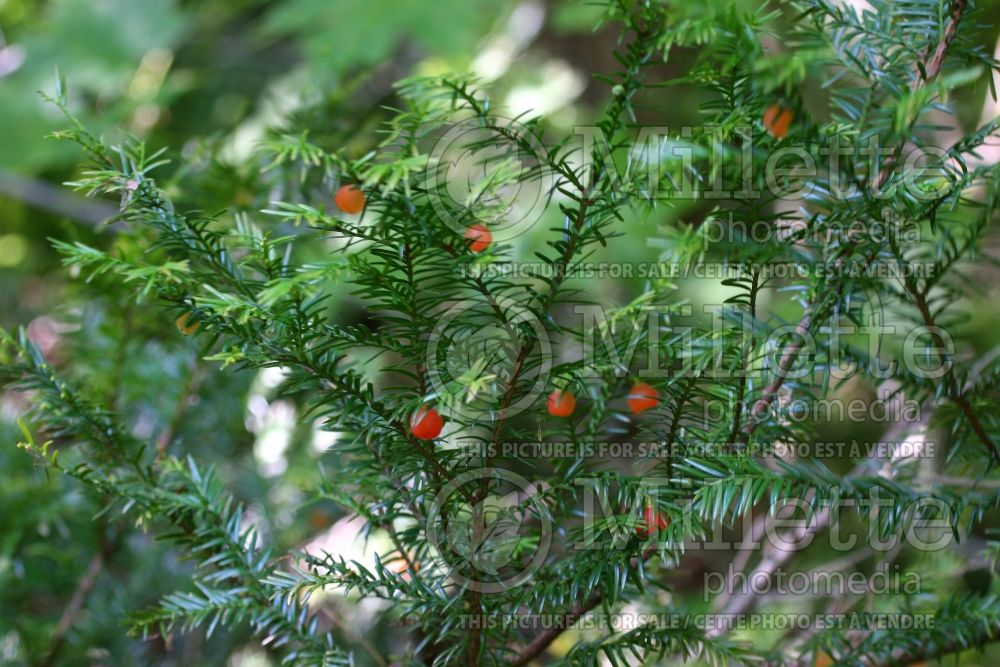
(648, 33)
(565, 620)
(652, 642)
(959, 396)
(804, 327)
(964, 623)
(207, 522)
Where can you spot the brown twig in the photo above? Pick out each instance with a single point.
(773, 559)
(920, 299)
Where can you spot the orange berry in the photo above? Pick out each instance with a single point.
(319, 519)
(184, 327)
(777, 120)
(402, 568)
(652, 521)
(350, 199)
(480, 238)
(642, 397)
(561, 403)
(822, 660)
(426, 423)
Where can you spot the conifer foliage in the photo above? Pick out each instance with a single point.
(456, 360)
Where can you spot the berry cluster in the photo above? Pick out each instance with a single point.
(427, 423)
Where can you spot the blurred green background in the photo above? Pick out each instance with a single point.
(209, 79)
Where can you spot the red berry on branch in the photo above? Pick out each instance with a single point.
(186, 326)
(642, 397)
(777, 120)
(652, 521)
(426, 423)
(350, 199)
(479, 237)
(561, 403)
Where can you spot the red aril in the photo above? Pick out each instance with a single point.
(350, 199)
(642, 397)
(561, 403)
(652, 521)
(479, 237)
(777, 120)
(426, 423)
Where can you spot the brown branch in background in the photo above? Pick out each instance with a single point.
(58, 200)
(917, 654)
(543, 639)
(72, 610)
(791, 353)
(772, 559)
(895, 433)
(741, 560)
